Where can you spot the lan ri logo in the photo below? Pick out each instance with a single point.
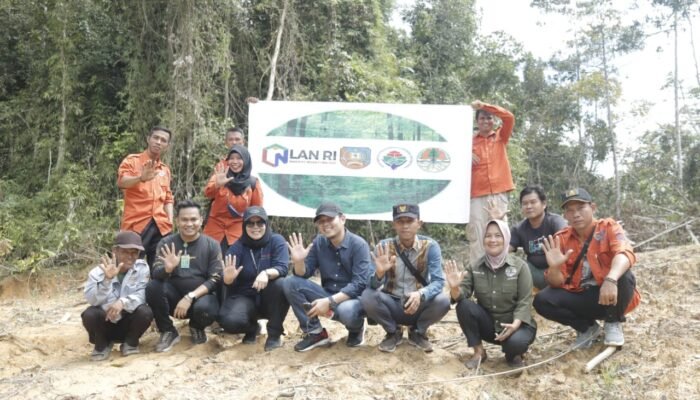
(433, 159)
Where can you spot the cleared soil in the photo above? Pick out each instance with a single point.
(44, 353)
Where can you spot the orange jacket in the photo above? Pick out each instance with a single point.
(491, 174)
(608, 241)
(220, 221)
(145, 200)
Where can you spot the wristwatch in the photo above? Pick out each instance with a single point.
(332, 303)
(191, 296)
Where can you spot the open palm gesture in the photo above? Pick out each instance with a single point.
(297, 249)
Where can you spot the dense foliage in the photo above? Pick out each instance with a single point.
(81, 82)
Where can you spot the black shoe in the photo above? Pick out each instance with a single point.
(273, 342)
(515, 361)
(167, 340)
(101, 355)
(251, 337)
(313, 340)
(356, 339)
(419, 340)
(198, 335)
(391, 340)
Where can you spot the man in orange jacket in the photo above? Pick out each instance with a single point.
(491, 176)
(148, 200)
(588, 274)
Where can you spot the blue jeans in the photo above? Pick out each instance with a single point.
(299, 290)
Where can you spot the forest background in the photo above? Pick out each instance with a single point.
(82, 81)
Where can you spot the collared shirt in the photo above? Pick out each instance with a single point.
(221, 223)
(344, 268)
(492, 174)
(426, 257)
(146, 200)
(131, 290)
(608, 240)
(506, 293)
(200, 264)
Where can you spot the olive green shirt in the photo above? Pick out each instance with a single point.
(506, 293)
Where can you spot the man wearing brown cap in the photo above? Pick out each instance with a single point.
(342, 259)
(115, 291)
(588, 273)
(406, 287)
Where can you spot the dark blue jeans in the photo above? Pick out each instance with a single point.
(299, 290)
(389, 313)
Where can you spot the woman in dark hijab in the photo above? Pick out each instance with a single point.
(232, 190)
(253, 272)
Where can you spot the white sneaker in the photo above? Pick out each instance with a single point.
(585, 339)
(613, 334)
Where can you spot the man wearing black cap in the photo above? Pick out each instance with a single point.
(115, 291)
(342, 258)
(406, 288)
(588, 273)
(185, 276)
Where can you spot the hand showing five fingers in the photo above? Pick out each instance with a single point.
(170, 258)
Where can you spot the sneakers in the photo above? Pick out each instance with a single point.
(613, 334)
(128, 350)
(101, 355)
(313, 340)
(198, 336)
(167, 340)
(515, 361)
(419, 340)
(584, 340)
(356, 339)
(273, 342)
(251, 337)
(391, 340)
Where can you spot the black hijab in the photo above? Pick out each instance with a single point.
(250, 212)
(242, 180)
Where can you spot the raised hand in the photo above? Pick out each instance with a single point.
(495, 209)
(477, 104)
(453, 274)
(552, 251)
(382, 260)
(170, 258)
(220, 176)
(149, 171)
(109, 266)
(230, 270)
(296, 248)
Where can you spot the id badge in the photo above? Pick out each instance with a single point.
(185, 261)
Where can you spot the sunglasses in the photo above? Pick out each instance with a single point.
(257, 224)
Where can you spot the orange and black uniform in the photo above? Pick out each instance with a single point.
(144, 203)
(576, 304)
(492, 173)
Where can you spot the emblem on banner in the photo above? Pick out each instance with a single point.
(394, 158)
(355, 157)
(274, 155)
(433, 159)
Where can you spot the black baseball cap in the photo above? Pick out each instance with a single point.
(128, 240)
(328, 209)
(578, 194)
(406, 210)
(254, 211)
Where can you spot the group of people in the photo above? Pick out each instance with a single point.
(236, 270)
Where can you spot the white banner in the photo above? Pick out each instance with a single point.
(365, 157)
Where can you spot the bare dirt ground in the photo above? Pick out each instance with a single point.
(44, 354)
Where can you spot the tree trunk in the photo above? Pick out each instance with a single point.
(611, 127)
(64, 113)
(275, 55)
(675, 101)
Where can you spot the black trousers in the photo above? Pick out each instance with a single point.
(163, 297)
(477, 325)
(150, 237)
(580, 310)
(128, 329)
(240, 314)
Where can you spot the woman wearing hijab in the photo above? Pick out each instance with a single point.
(232, 190)
(502, 286)
(253, 270)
